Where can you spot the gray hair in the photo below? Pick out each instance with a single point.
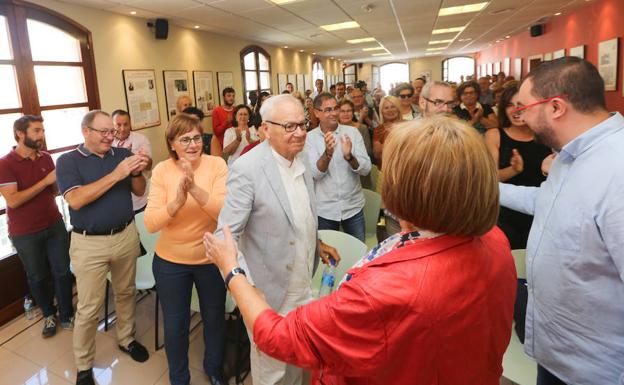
(271, 105)
(427, 87)
(90, 116)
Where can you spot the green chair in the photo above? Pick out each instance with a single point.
(520, 260)
(371, 216)
(374, 174)
(350, 250)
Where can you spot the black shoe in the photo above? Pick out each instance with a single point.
(85, 377)
(136, 351)
(216, 380)
(49, 326)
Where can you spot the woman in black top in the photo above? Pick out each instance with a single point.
(519, 158)
(480, 116)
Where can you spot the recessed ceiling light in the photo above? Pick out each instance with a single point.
(507, 37)
(196, 27)
(465, 39)
(431, 53)
(133, 12)
(498, 41)
(558, 13)
(440, 41)
(339, 26)
(437, 49)
(447, 30)
(278, 2)
(382, 54)
(331, 57)
(363, 40)
(372, 49)
(462, 9)
(300, 50)
(313, 53)
(285, 46)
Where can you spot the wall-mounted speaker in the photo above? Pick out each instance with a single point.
(162, 29)
(537, 30)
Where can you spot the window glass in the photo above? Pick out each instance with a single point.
(62, 127)
(9, 96)
(5, 46)
(48, 43)
(455, 67)
(250, 61)
(7, 140)
(60, 85)
(265, 80)
(393, 73)
(251, 82)
(264, 62)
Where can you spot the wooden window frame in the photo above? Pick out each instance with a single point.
(256, 50)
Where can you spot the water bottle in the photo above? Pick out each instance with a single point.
(29, 308)
(329, 278)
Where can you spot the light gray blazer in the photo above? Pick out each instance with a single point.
(258, 212)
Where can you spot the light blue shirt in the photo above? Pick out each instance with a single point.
(575, 259)
(338, 190)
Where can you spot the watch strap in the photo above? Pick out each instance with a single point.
(235, 271)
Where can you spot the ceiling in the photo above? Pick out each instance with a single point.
(402, 27)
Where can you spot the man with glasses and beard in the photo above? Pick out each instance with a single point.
(96, 180)
(437, 98)
(575, 250)
(36, 228)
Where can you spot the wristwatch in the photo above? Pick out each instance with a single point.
(235, 271)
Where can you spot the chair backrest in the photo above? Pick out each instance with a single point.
(349, 248)
(144, 274)
(520, 260)
(374, 173)
(147, 239)
(371, 211)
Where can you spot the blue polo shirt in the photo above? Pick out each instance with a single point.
(80, 167)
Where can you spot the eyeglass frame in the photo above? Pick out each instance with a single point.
(405, 96)
(437, 103)
(197, 139)
(301, 125)
(104, 133)
(521, 110)
(329, 110)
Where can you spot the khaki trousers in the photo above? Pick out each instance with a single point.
(92, 257)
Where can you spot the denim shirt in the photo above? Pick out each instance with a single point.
(575, 258)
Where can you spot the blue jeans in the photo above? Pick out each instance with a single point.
(353, 226)
(41, 253)
(174, 283)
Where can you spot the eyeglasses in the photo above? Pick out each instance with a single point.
(291, 126)
(439, 102)
(521, 109)
(329, 110)
(103, 132)
(405, 96)
(186, 140)
(349, 111)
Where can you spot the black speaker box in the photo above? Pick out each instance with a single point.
(537, 30)
(162, 29)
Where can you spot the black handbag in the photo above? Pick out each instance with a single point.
(237, 347)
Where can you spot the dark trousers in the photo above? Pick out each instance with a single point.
(174, 283)
(353, 226)
(41, 253)
(544, 377)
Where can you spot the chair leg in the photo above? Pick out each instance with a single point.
(106, 306)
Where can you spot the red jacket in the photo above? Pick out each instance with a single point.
(221, 121)
(435, 312)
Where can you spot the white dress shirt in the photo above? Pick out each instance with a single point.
(338, 190)
(230, 136)
(136, 143)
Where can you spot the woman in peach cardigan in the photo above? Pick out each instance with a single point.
(186, 196)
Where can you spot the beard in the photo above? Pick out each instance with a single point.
(33, 144)
(544, 133)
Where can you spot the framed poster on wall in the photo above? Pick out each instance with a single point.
(547, 56)
(518, 68)
(204, 91)
(608, 62)
(281, 82)
(496, 68)
(578, 51)
(176, 85)
(507, 66)
(559, 53)
(224, 80)
(292, 78)
(300, 84)
(141, 98)
(307, 81)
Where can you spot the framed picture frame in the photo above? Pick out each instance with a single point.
(578, 51)
(559, 53)
(224, 79)
(507, 66)
(548, 56)
(204, 91)
(518, 68)
(141, 97)
(496, 68)
(281, 82)
(608, 62)
(176, 85)
(534, 61)
(300, 84)
(292, 78)
(307, 81)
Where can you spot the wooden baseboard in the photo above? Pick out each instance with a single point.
(11, 311)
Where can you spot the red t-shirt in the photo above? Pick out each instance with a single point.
(40, 212)
(221, 121)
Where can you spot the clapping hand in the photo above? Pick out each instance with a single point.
(330, 143)
(347, 146)
(517, 163)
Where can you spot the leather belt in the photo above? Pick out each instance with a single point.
(112, 231)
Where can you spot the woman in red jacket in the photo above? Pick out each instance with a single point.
(434, 304)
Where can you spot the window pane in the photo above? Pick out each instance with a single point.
(5, 46)
(9, 97)
(6, 248)
(264, 62)
(62, 127)
(250, 61)
(265, 80)
(48, 43)
(60, 85)
(251, 81)
(7, 141)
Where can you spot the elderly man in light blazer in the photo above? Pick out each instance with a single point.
(271, 212)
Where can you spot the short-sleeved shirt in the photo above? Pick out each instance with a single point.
(136, 143)
(80, 167)
(41, 211)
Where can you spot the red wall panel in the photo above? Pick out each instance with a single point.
(589, 25)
